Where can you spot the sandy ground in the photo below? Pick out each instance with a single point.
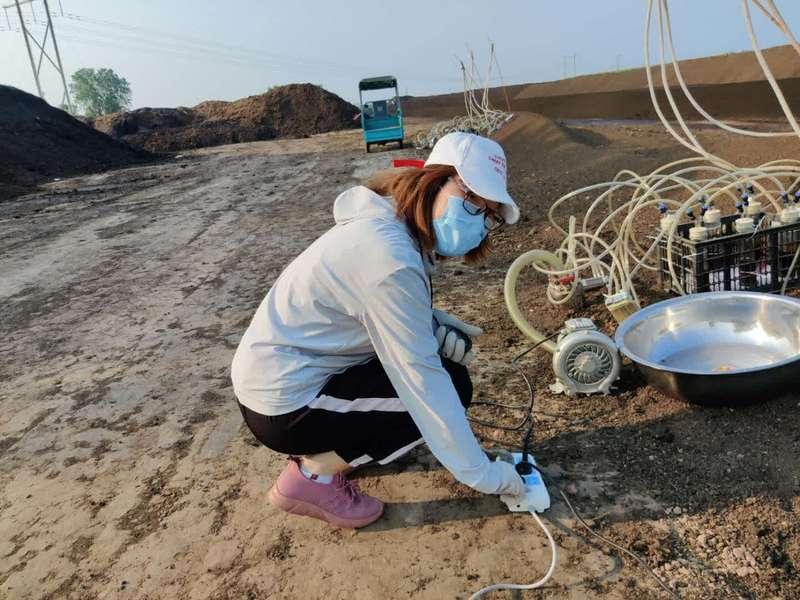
(127, 473)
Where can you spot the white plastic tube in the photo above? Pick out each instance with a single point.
(765, 68)
(615, 249)
(664, 7)
(651, 88)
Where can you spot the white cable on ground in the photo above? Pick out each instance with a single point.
(529, 586)
(663, 15)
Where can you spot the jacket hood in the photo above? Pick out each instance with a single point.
(362, 203)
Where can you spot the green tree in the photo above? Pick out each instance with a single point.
(100, 91)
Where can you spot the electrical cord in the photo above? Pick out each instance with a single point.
(528, 419)
(530, 586)
(527, 469)
(604, 539)
(527, 408)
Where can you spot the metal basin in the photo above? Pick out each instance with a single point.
(717, 348)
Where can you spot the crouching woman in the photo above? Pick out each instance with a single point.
(346, 363)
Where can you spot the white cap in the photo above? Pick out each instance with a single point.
(743, 225)
(753, 208)
(698, 234)
(481, 163)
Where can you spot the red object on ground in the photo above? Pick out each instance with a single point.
(408, 162)
(566, 280)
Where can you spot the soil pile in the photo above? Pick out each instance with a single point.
(547, 159)
(39, 142)
(724, 69)
(728, 86)
(530, 133)
(289, 111)
(534, 144)
(120, 124)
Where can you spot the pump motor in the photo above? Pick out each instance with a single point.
(585, 361)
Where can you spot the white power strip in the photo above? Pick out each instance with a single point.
(536, 499)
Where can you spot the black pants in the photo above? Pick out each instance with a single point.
(357, 415)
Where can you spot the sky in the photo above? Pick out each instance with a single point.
(181, 52)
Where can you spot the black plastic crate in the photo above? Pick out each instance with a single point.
(757, 262)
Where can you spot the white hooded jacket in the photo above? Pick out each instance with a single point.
(361, 290)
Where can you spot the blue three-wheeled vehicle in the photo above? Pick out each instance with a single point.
(382, 120)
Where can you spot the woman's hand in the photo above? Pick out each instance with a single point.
(455, 337)
(514, 485)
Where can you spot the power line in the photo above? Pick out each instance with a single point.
(210, 48)
(195, 44)
(204, 42)
(189, 50)
(90, 31)
(140, 47)
(240, 56)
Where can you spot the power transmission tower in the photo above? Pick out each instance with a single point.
(49, 33)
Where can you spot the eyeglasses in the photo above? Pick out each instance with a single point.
(492, 221)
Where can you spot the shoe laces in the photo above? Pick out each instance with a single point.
(349, 488)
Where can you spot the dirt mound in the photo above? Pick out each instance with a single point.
(528, 133)
(531, 139)
(729, 86)
(173, 129)
(197, 135)
(294, 110)
(39, 142)
(751, 100)
(118, 125)
(724, 69)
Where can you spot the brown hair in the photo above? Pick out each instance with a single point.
(414, 192)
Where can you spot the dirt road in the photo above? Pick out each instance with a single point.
(126, 471)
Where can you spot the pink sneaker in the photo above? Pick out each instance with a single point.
(339, 502)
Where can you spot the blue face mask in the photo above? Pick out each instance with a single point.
(457, 231)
